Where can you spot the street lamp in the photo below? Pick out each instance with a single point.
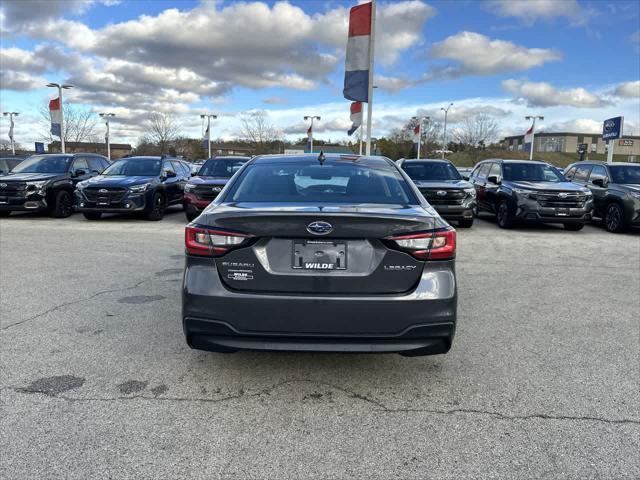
(209, 116)
(11, 115)
(420, 120)
(444, 133)
(107, 137)
(311, 117)
(533, 127)
(60, 88)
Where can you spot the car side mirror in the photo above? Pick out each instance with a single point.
(598, 182)
(193, 174)
(79, 172)
(493, 179)
(170, 174)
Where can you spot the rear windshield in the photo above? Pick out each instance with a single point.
(130, 167)
(221, 167)
(431, 171)
(625, 174)
(44, 164)
(530, 172)
(345, 183)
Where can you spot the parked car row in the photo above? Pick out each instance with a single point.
(90, 184)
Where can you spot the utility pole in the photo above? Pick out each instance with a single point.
(533, 131)
(107, 137)
(444, 133)
(11, 123)
(311, 117)
(60, 88)
(209, 116)
(420, 120)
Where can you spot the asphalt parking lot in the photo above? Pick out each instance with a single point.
(97, 381)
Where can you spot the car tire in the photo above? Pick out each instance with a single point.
(614, 218)
(157, 207)
(190, 215)
(5, 214)
(63, 206)
(92, 215)
(504, 215)
(573, 227)
(466, 223)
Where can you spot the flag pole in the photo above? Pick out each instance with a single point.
(370, 86)
(360, 135)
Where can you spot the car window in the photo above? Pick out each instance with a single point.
(80, 163)
(570, 173)
(582, 173)
(168, 166)
(4, 166)
(431, 171)
(598, 173)
(495, 170)
(483, 171)
(221, 167)
(95, 164)
(177, 167)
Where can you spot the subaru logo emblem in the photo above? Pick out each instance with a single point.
(3, 185)
(319, 228)
(441, 193)
(103, 190)
(216, 189)
(609, 125)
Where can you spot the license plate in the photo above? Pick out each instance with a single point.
(319, 255)
(562, 212)
(103, 201)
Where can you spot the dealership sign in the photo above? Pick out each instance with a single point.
(625, 143)
(612, 128)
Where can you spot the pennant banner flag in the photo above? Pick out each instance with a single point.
(356, 117)
(416, 133)
(358, 58)
(56, 117)
(309, 137)
(529, 135)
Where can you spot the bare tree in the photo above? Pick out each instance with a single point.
(162, 130)
(258, 132)
(79, 124)
(476, 131)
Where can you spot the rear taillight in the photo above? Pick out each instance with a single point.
(439, 245)
(211, 243)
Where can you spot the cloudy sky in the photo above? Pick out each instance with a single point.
(576, 62)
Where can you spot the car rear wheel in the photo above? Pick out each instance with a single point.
(613, 218)
(92, 215)
(190, 215)
(503, 215)
(63, 206)
(157, 209)
(573, 227)
(466, 223)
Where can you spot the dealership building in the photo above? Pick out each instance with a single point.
(568, 142)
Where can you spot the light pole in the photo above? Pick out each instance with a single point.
(444, 133)
(107, 137)
(60, 88)
(420, 120)
(533, 128)
(11, 115)
(311, 117)
(209, 116)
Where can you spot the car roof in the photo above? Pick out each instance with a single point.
(601, 162)
(511, 160)
(329, 158)
(435, 160)
(229, 157)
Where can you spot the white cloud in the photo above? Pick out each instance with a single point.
(477, 54)
(543, 94)
(628, 90)
(275, 100)
(530, 11)
(580, 125)
(21, 81)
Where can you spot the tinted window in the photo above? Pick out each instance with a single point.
(483, 170)
(4, 167)
(45, 164)
(308, 182)
(570, 173)
(495, 170)
(530, 172)
(146, 167)
(80, 163)
(582, 173)
(598, 172)
(166, 166)
(95, 164)
(625, 174)
(177, 167)
(431, 171)
(221, 167)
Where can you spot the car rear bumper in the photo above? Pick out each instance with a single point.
(419, 322)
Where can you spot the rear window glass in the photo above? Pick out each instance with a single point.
(431, 171)
(221, 167)
(345, 183)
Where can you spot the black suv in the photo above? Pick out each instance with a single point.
(134, 185)
(444, 188)
(531, 191)
(615, 188)
(46, 182)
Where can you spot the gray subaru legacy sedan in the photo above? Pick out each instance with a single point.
(331, 253)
